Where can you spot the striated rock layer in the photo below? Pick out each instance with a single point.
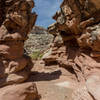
(76, 45)
(16, 21)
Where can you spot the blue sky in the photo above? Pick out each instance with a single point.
(45, 10)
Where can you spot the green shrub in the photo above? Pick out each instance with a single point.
(36, 55)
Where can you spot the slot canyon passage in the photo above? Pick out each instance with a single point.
(68, 70)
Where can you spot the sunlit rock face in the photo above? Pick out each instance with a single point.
(16, 21)
(25, 91)
(76, 45)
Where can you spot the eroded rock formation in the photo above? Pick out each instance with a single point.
(16, 21)
(76, 45)
(26, 91)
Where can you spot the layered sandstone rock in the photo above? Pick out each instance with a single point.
(26, 91)
(16, 21)
(76, 45)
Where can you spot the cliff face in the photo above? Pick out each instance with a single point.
(76, 45)
(16, 20)
(39, 40)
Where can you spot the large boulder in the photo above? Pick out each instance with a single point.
(25, 91)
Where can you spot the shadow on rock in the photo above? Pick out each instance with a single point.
(36, 76)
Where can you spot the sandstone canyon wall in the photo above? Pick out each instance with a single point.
(76, 45)
(16, 21)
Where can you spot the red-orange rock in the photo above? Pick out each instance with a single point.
(7, 50)
(25, 91)
(16, 20)
(78, 49)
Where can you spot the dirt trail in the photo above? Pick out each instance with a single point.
(52, 82)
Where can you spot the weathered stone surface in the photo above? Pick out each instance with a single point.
(6, 50)
(17, 65)
(78, 51)
(93, 85)
(16, 21)
(91, 38)
(81, 94)
(14, 78)
(25, 91)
